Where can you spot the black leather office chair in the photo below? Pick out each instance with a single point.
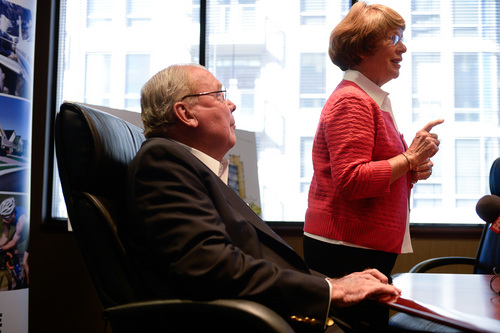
(488, 251)
(487, 258)
(93, 151)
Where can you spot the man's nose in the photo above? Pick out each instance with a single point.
(231, 105)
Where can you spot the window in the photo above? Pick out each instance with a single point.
(139, 12)
(312, 12)
(99, 13)
(306, 168)
(97, 79)
(312, 80)
(275, 66)
(466, 18)
(425, 18)
(466, 85)
(136, 74)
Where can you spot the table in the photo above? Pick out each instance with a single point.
(464, 301)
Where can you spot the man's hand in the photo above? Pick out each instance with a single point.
(359, 286)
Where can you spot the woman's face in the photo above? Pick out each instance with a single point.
(384, 64)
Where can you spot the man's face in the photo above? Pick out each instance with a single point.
(7, 219)
(216, 123)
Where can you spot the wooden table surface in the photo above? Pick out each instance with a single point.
(464, 301)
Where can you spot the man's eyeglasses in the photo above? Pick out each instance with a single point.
(395, 39)
(220, 95)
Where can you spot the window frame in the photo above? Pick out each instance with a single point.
(291, 227)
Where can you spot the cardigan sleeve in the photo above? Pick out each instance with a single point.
(352, 125)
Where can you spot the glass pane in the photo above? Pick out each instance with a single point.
(466, 80)
(278, 73)
(467, 164)
(454, 77)
(427, 203)
(312, 73)
(426, 85)
(97, 79)
(286, 69)
(465, 12)
(139, 12)
(136, 74)
(312, 12)
(306, 170)
(99, 13)
(108, 66)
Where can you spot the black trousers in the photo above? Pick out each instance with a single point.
(336, 261)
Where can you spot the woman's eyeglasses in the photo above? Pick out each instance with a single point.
(395, 39)
(220, 95)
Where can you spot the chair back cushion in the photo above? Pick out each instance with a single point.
(488, 253)
(488, 256)
(495, 177)
(93, 150)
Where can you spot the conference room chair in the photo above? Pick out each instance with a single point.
(488, 251)
(93, 150)
(486, 260)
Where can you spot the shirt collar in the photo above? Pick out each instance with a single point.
(380, 96)
(219, 168)
(374, 91)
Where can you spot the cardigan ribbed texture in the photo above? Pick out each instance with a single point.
(350, 197)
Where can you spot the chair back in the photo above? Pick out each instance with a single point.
(488, 252)
(495, 177)
(93, 150)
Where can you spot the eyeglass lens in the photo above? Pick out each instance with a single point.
(221, 96)
(395, 39)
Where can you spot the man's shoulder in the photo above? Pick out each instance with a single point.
(162, 150)
(162, 144)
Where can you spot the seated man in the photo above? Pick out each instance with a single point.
(193, 236)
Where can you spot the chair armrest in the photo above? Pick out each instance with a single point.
(175, 315)
(426, 265)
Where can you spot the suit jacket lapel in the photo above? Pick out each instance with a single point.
(235, 201)
(237, 204)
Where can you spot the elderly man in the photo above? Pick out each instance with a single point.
(193, 236)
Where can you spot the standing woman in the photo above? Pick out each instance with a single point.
(358, 205)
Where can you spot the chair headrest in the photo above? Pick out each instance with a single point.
(97, 147)
(495, 177)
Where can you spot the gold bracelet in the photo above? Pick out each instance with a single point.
(409, 163)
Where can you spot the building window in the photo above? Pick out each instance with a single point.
(136, 74)
(427, 93)
(306, 166)
(99, 13)
(467, 163)
(467, 86)
(312, 12)
(312, 80)
(97, 79)
(425, 18)
(466, 19)
(139, 13)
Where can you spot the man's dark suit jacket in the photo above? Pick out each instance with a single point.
(195, 238)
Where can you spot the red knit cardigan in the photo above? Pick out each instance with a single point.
(350, 197)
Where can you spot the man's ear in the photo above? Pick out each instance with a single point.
(185, 115)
